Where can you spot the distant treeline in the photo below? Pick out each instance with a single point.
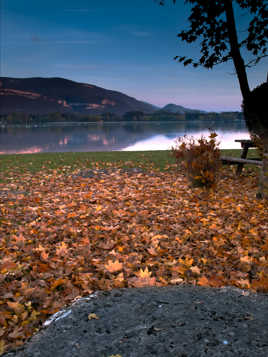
(39, 119)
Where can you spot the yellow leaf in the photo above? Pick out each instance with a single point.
(204, 260)
(93, 317)
(143, 273)
(2, 347)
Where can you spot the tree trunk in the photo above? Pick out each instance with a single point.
(263, 183)
(235, 51)
(258, 125)
(255, 116)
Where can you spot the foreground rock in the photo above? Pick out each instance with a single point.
(189, 321)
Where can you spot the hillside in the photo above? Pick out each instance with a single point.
(48, 95)
(178, 109)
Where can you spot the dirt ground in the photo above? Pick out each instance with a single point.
(181, 321)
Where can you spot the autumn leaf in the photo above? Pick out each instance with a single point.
(16, 333)
(93, 316)
(62, 249)
(113, 266)
(57, 283)
(142, 282)
(143, 273)
(16, 306)
(195, 269)
(152, 251)
(243, 283)
(203, 281)
(2, 347)
(246, 259)
(176, 281)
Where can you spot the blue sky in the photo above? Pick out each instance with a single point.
(116, 44)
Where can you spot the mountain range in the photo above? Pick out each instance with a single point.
(49, 95)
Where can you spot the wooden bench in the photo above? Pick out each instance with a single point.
(245, 144)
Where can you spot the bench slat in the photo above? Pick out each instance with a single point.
(238, 160)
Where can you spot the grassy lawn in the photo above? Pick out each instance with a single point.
(63, 235)
(11, 165)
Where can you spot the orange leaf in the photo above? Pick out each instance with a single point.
(141, 282)
(203, 281)
(57, 283)
(62, 249)
(113, 267)
(195, 269)
(179, 269)
(16, 306)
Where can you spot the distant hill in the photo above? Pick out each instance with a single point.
(48, 95)
(178, 109)
(42, 96)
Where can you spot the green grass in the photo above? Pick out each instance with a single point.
(16, 164)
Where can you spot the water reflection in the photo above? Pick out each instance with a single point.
(227, 141)
(114, 136)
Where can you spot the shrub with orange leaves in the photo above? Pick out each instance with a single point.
(258, 143)
(200, 158)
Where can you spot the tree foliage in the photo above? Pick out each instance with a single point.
(208, 23)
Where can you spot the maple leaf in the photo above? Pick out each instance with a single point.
(93, 316)
(57, 283)
(179, 269)
(143, 273)
(176, 281)
(142, 282)
(40, 248)
(16, 333)
(113, 266)
(203, 281)
(152, 251)
(44, 255)
(2, 347)
(246, 259)
(62, 249)
(195, 269)
(16, 306)
(243, 283)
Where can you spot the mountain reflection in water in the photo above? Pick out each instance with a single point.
(115, 136)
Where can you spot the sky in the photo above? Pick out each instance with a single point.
(120, 45)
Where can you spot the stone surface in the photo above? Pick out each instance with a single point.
(185, 321)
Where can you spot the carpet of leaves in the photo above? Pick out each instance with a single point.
(64, 236)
